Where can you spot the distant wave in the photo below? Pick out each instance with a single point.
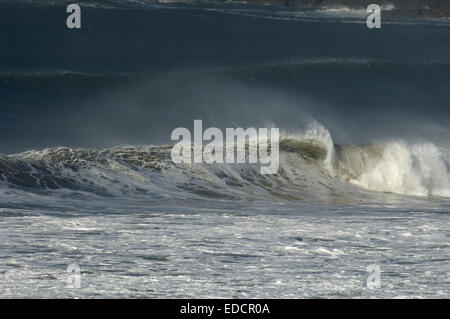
(302, 13)
(59, 74)
(282, 65)
(291, 62)
(19, 79)
(344, 11)
(288, 66)
(311, 166)
(99, 4)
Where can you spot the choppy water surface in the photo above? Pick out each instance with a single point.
(268, 250)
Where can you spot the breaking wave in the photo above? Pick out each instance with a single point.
(311, 166)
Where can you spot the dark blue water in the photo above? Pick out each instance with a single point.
(136, 71)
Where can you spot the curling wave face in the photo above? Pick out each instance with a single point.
(311, 167)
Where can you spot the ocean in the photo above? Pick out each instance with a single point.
(360, 205)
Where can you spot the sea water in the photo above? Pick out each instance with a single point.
(88, 183)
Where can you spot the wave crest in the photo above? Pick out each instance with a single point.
(310, 166)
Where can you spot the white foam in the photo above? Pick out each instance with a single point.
(420, 169)
(343, 12)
